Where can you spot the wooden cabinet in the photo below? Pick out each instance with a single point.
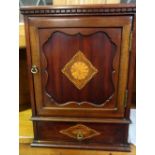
(79, 60)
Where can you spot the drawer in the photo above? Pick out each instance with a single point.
(81, 135)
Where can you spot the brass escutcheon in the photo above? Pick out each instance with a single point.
(34, 69)
(79, 136)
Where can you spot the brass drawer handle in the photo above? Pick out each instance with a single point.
(34, 69)
(79, 136)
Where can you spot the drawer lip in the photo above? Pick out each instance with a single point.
(115, 147)
(75, 119)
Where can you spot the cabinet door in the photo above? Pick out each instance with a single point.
(82, 65)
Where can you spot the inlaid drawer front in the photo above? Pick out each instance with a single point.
(82, 132)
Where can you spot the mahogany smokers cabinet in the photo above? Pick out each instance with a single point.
(81, 66)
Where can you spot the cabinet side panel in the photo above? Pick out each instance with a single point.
(30, 77)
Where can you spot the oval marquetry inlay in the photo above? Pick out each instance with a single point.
(80, 132)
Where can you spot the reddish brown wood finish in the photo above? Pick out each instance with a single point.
(106, 138)
(24, 96)
(96, 46)
(117, 132)
(119, 63)
(102, 33)
(132, 68)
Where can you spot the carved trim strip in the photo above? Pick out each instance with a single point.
(86, 103)
(81, 103)
(78, 11)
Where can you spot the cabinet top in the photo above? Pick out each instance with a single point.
(78, 10)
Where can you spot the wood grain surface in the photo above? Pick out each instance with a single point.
(22, 44)
(26, 136)
(26, 149)
(103, 34)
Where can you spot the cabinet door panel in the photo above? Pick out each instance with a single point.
(82, 65)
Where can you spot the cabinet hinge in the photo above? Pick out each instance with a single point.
(125, 98)
(130, 41)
